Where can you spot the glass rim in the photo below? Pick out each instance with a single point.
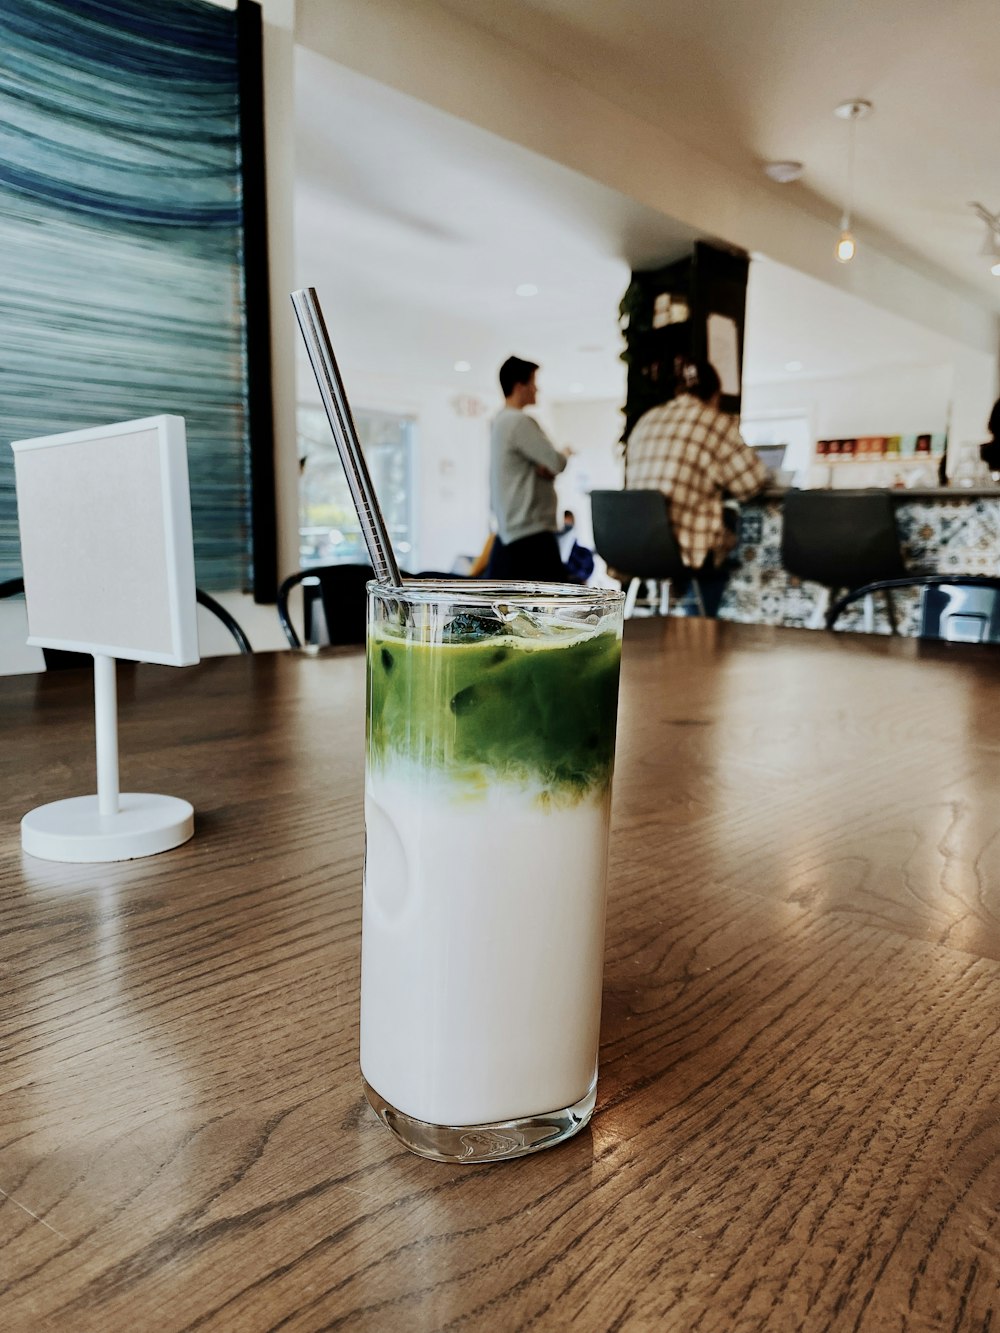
(475, 592)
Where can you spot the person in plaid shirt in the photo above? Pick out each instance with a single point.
(695, 455)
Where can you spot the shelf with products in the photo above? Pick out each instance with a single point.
(882, 449)
(868, 460)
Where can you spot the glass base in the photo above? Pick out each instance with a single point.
(496, 1142)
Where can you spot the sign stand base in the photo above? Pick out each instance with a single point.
(75, 830)
(113, 825)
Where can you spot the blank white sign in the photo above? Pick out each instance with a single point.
(106, 544)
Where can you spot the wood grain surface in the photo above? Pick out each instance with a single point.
(797, 1124)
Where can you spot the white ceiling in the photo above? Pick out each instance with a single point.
(415, 228)
(758, 80)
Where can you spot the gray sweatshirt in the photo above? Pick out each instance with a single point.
(523, 502)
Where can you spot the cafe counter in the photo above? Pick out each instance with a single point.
(941, 530)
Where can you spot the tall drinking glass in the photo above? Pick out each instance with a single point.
(491, 736)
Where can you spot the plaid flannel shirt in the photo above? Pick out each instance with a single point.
(694, 455)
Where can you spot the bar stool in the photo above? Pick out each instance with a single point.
(842, 540)
(632, 533)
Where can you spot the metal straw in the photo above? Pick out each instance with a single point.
(345, 434)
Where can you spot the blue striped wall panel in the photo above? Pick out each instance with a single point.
(121, 235)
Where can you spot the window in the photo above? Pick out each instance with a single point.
(329, 531)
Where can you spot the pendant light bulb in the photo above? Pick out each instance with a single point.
(852, 112)
(845, 248)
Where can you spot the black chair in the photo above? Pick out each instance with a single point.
(57, 659)
(842, 541)
(958, 608)
(632, 533)
(340, 592)
(231, 623)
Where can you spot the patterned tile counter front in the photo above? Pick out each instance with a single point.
(941, 532)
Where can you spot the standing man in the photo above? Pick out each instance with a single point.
(695, 455)
(523, 465)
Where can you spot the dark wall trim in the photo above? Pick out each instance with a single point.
(260, 403)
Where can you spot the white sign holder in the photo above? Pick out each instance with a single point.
(106, 546)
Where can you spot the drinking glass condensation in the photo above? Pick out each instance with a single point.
(491, 732)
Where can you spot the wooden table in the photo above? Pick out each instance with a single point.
(797, 1124)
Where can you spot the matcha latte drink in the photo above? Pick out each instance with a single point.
(491, 731)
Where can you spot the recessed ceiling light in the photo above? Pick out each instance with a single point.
(793, 365)
(783, 172)
(462, 365)
(856, 109)
(526, 289)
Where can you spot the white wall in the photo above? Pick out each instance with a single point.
(793, 429)
(955, 396)
(15, 655)
(592, 430)
(973, 393)
(900, 400)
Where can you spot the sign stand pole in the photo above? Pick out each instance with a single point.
(106, 725)
(110, 826)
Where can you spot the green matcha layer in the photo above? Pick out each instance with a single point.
(498, 707)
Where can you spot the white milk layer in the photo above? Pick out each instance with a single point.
(482, 950)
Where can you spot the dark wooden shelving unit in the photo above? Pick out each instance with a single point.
(665, 314)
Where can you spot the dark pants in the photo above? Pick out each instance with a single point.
(711, 583)
(533, 559)
(712, 578)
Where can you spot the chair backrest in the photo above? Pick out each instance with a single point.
(960, 608)
(58, 658)
(960, 612)
(841, 541)
(632, 533)
(342, 595)
(230, 621)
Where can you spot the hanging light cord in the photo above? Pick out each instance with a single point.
(845, 222)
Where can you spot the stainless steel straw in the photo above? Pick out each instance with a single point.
(338, 411)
